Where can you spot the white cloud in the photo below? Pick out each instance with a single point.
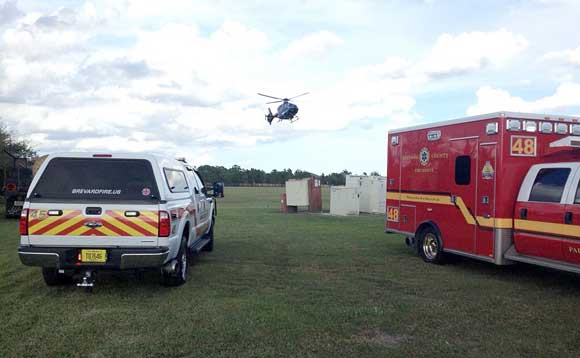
(9, 12)
(311, 46)
(188, 88)
(471, 51)
(567, 56)
(491, 99)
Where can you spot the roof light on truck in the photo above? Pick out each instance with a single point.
(164, 224)
(530, 126)
(491, 128)
(575, 129)
(514, 125)
(24, 222)
(102, 155)
(546, 127)
(561, 128)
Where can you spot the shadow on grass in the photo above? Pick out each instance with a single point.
(525, 274)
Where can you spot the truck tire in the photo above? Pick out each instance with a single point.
(53, 278)
(209, 246)
(179, 277)
(430, 246)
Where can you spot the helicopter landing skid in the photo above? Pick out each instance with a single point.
(290, 120)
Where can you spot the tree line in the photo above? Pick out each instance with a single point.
(237, 175)
(11, 148)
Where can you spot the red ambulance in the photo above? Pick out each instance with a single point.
(499, 187)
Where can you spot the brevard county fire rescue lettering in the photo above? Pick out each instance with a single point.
(97, 191)
(426, 160)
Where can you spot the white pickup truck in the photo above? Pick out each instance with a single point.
(89, 212)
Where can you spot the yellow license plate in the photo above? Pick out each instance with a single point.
(98, 256)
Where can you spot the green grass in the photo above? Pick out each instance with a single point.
(294, 285)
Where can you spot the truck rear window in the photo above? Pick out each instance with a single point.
(97, 179)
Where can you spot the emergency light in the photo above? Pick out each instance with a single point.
(561, 128)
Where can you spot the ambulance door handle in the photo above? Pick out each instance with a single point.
(523, 213)
(568, 218)
(487, 216)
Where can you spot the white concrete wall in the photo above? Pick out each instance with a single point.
(371, 190)
(297, 192)
(377, 194)
(344, 201)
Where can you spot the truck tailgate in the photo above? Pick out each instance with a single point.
(93, 225)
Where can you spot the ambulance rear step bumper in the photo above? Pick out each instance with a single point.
(513, 255)
(117, 258)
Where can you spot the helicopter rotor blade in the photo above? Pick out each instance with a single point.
(265, 95)
(300, 95)
(275, 102)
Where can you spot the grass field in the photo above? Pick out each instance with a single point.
(295, 285)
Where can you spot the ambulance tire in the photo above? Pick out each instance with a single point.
(209, 246)
(180, 277)
(52, 277)
(430, 246)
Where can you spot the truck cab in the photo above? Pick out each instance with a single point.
(547, 215)
(87, 212)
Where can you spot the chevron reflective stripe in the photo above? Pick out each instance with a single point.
(74, 223)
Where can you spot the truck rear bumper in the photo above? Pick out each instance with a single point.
(117, 258)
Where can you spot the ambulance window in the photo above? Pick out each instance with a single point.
(549, 185)
(463, 170)
(176, 180)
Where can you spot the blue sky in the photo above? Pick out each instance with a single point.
(180, 77)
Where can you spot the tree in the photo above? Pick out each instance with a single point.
(17, 148)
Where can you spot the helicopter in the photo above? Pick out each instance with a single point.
(286, 111)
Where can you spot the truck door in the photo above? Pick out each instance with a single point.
(203, 206)
(571, 248)
(540, 211)
(485, 208)
(460, 234)
(393, 202)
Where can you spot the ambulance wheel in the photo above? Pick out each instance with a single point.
(430, 246)
(53, 278)
(179, 277)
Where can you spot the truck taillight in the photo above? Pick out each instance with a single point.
(24, 222)
(164, 224)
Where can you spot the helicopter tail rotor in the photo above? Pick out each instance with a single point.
(270, 116)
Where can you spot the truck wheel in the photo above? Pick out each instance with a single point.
(430, 246)
(209, 246)
(179, 277)
(53, 278)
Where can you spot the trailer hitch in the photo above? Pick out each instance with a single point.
(88, 281)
